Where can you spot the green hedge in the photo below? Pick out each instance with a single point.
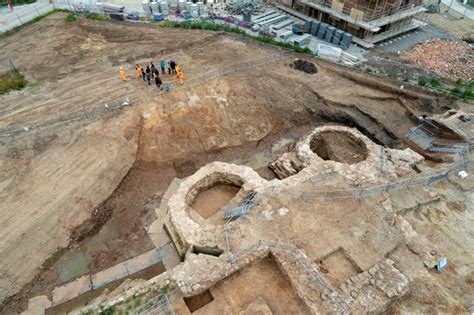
(204, 25)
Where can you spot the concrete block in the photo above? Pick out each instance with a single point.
(38, 305)
(109, 275)
(157, 234)
(143, 261)
(170, 256)
(72, 290)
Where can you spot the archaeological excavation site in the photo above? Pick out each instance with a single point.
(254, 187)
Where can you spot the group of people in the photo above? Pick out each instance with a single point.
(152, 73)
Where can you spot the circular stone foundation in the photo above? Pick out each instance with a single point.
(189, 226)
(338, 146)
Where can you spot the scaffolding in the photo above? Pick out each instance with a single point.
(375, 13)
(369, 21)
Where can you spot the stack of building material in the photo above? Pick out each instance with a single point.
(194, 9)
(346, 40)
(112, 8)
(182, 5)
(155, 7)
(147, 7)
(164, 8)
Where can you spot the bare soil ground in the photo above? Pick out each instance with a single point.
(263, 279)
(338, 267)
(338, 147)
(75, 156)
(208, 202)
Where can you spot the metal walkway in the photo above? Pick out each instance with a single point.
(242, 209)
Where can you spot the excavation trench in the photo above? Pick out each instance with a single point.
(117, 231)
(339, 147)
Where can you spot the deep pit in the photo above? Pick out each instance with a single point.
(209, 201)
(339, 147)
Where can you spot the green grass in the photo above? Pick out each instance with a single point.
(11, 81)
(458, 88)
(71, 17)
(108, 311)
(422, 81)
(96, 17)
(137, 301)
(435, 82)
(392, 75)
(209, 26)
(36, 19)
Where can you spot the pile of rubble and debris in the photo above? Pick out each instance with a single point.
(305, 66)
(452, 60)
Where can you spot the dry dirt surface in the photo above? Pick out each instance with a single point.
(64, 154)
(262, 281)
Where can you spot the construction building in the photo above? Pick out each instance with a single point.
(369, 21)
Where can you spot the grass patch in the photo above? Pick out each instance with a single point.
(71, 17)
(392, 75)
(11, 81)
(435, 82)
(96, 17)
(209, 26)
(137, 302)
(108, 311)
(422, 81)
(36, 19)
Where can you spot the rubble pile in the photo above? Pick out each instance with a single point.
(305, 66)
(453, 60)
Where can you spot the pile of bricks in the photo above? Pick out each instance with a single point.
(453, 60)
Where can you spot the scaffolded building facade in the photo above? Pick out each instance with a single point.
(369, 21)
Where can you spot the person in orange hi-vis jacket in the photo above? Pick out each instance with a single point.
(122, 74)
(138, 70)
(179, 74)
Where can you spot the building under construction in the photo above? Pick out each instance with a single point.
(369, 21)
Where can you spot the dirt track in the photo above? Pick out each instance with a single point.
(52, 179)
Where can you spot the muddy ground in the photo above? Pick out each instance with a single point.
(79, 183)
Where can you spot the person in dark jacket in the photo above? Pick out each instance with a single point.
(143, 74)
(148, 75)
(158, 81)
(173, 66)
